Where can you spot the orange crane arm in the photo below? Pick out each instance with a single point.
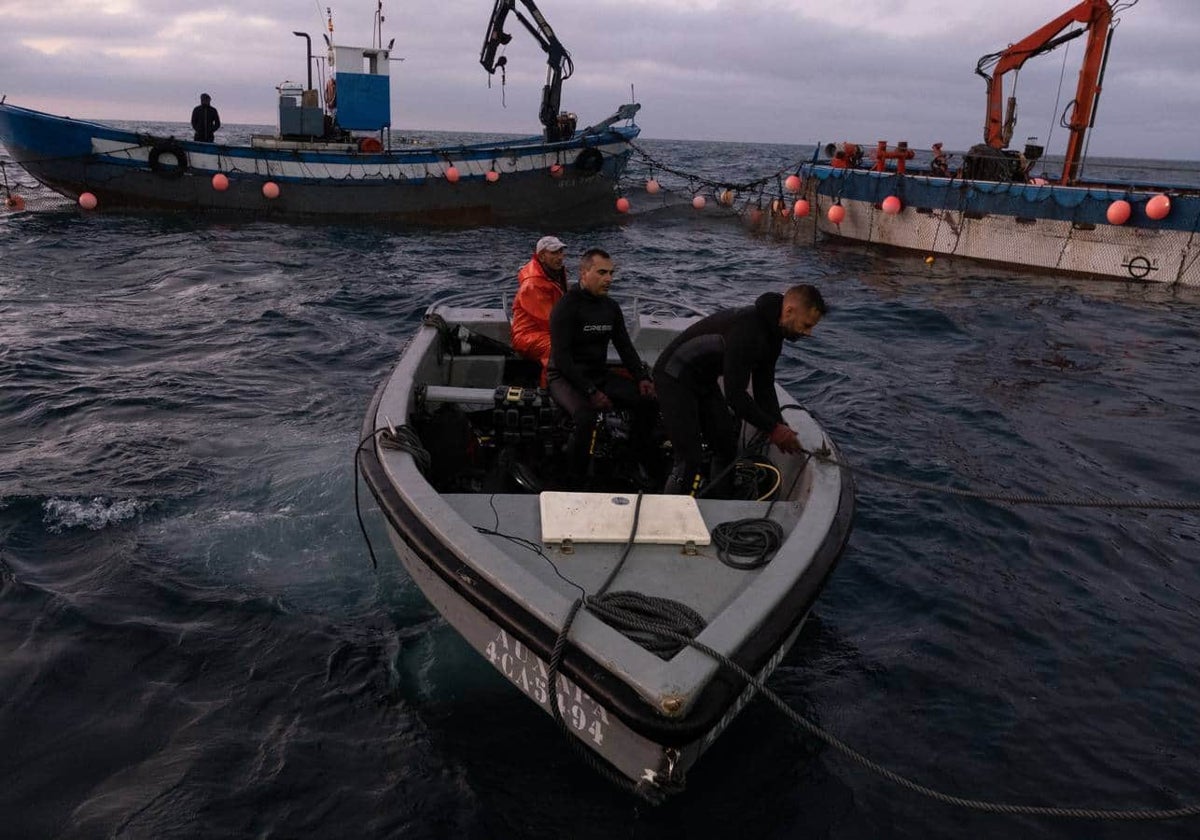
(1096, 15)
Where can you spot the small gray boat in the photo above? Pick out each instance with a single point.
(566, 589)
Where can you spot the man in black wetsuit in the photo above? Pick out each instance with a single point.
(741, 345)
(205, 119)
(581, 325)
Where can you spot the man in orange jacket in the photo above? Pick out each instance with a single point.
(541, 282)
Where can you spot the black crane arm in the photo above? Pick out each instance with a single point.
(559, 60)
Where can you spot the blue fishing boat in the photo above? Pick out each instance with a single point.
(994, 207)
(333, 155)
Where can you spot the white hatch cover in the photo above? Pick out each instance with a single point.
(608, 518)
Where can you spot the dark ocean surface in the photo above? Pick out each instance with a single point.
(193, 643)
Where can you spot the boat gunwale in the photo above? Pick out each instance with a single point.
(524, 146)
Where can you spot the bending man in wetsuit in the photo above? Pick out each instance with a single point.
(741, 345)
(581, 326)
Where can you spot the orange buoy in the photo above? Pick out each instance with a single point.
(492, 176)
(891, 205)
(270, 189)
(88, 201)
(556, 170)
(652, 186)
(1119, 212)
(725, 198)
(369, 144)
(14, 202)
(698, 202)
(622, 205)
(220, 182)
(836, 214)
(792, 184)
(755, 217)
(452, 174)
(1159, 206)
(801, 208)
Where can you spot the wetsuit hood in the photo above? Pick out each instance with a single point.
(769, 307)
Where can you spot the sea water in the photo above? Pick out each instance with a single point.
(194, 641)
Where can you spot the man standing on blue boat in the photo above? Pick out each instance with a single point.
(205, 119)
(741, 346)
(581, 326)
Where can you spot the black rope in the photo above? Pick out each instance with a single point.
(362, 526)
(908, 784)
(648, 620)
(892, 776)
(757, 539)
(631, 612)
(1014, 498)
(692, 177)
(827, 457)
(404, 439)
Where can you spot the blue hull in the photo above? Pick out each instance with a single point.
(127, 171)
(1048, 226)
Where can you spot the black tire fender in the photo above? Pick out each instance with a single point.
(173, 149)
(590, 161)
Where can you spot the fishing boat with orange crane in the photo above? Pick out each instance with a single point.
(994, 207)
(333, 156)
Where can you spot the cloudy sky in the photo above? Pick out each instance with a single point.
(746, 70)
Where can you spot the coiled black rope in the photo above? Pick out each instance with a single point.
(756, 539)
(641, 618)
(660, 625)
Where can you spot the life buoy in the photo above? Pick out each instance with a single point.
(175, 164)
(331, 94)
(589, 161)
(369, 144)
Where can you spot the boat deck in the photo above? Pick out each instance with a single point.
(698, 580)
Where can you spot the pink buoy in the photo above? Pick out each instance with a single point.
(1159, 206)
(88, 201)
(698, 202)
(492, 176)
(622, 205)
(652, 186)
(792, 184)
(220, 182)
(556, 171)
(801, 208)
(836, 214)
(1119, 212)
(452, 175)
(891, 205)
(270, 190)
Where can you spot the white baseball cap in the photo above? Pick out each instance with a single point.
(549, 243)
